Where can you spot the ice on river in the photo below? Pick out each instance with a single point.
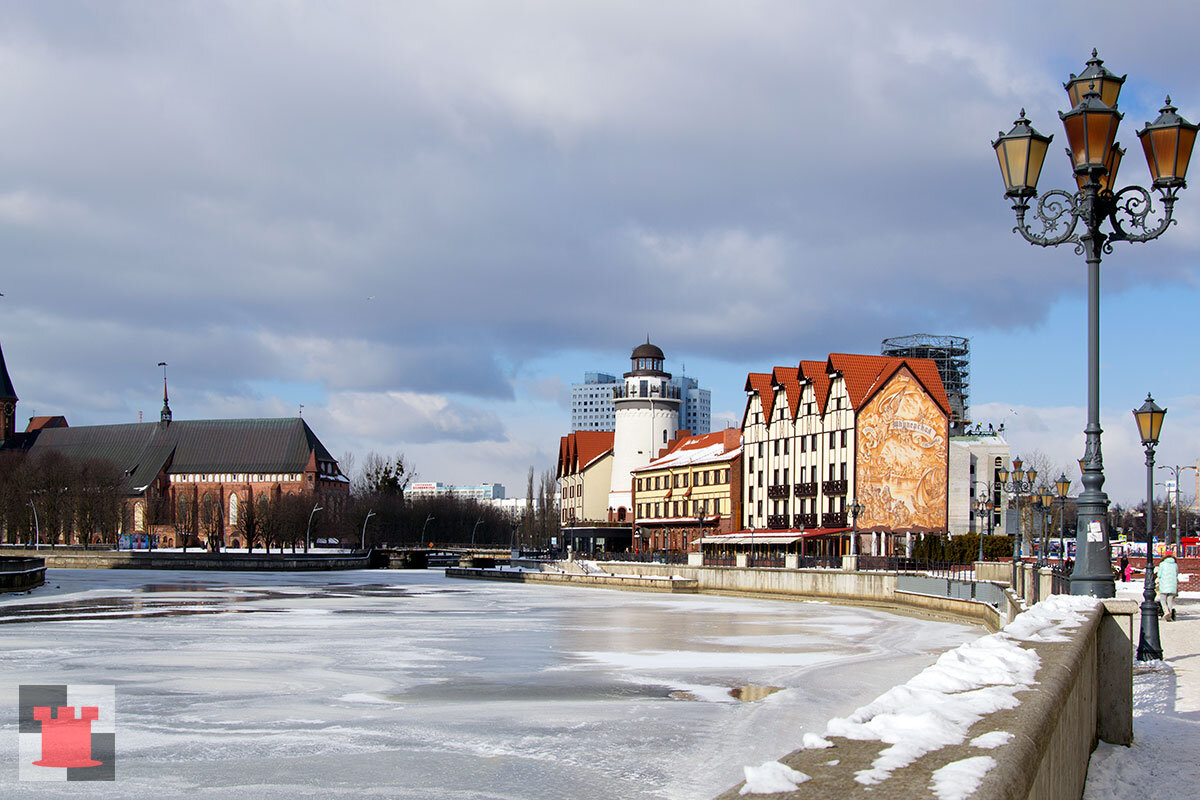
(408, 684)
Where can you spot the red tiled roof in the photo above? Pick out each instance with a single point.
(37, 423)
(699, 442)
(815, 372)
(789, 379)
(864, 375)
(760, 384)
(577, 450)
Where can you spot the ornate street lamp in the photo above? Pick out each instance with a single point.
(1063, 485)
(985, 505)
(1091, 127)
(855, 508)
(1021, 483)
(1149, 419)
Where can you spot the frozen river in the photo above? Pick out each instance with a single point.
(408, 684)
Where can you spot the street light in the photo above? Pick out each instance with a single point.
(478, 522)
(1149, 419)
(308, 530)
(1046, 498)
(985, 503)
(37, 535)
(423, 527)
(1091, 127)
(1175, 470)
(855, 509)
(1021, 483)
(1063, 486)
(363, 545)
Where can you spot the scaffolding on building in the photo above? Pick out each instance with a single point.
(952, 354)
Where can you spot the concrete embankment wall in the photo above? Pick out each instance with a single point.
(124, 559)
(667, 584)
(18, 574)
(861, 588)
(1083, 693)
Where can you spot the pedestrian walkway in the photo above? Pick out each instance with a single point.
(1162, 762)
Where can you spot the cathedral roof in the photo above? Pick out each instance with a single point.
(7, 392)
(145, 449)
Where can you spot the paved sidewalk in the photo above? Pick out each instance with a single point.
(1162, 762)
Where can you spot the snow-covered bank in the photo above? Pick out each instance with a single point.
(940, 712)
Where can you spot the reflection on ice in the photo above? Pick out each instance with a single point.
(405, 684)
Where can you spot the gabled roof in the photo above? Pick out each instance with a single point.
(579, 449)
(814, 371)
(145, 449)
(7, 392)
(789, 379)
(864, 375)
(703, 449)
(759, 383)
(37, 423)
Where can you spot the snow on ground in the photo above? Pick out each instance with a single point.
(1162, 761)
(937, 707)
(408, 684)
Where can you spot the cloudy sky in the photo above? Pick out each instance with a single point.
(424, 221)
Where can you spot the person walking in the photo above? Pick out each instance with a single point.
(1168, 584)
(1124, 568)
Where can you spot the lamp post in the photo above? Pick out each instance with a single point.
(37, 534)
(1149, 420)
(1091, 127)
(308, 530)
(855, 509)
(1063, 487)
(423, 527)
(986, 504)
(750, 555)
(363, 545)
(1175, 470)
(478, 522)
(1021, 483)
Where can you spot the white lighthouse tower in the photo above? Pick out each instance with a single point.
(647, 417)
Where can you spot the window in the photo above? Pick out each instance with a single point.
(785, 447)
(751, 464)
(760, 472)
(760, 449)
(831, 471)
(843, 438)
(776, 447)
(749, 494)
(656, 509)
(831, 439)
(675, 480)
(657, 481)
(785, 476)
(775, 478)
(685, 480)
(803, 441)
(639, 510)
(759, 507)
(726, 476)
(843, 470)
(664, 435)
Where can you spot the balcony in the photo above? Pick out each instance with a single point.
(778, 492)
(806, 489)
(804, 520)
(833, 519)
(833, 488)
(777, 522)
(650, 392)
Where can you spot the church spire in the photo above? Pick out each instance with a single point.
(8, 403)
(165, 417)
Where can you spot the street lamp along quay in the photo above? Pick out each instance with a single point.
(1091, 127)
(1021, 483)
(1149, 419)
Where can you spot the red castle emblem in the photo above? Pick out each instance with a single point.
(66, 741)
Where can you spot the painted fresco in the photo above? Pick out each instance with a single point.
(902, 459)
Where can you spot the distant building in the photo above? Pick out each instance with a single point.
(584, 474)
(480, 492)
(592, 406)
(820, 437)
(691, 490)
(177, 472)
(975, 458)
(952, 356)
(591, 402)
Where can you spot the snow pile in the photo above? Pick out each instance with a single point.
(813, 742)
(992, 740)
(938, 706)
(958, 780)
(772, 777)
(1049, 620)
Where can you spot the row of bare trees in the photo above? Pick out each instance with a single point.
(53, 499)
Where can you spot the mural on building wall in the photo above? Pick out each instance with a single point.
(901, 461)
